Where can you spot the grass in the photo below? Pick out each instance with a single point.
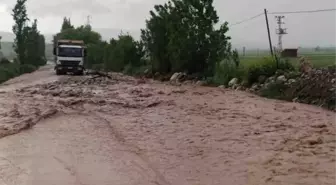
(317, 59)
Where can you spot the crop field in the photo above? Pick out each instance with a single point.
(318, 59)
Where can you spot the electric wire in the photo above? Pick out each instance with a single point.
(246, 20)
(304, 11)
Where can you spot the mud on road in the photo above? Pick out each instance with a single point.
(76, 130)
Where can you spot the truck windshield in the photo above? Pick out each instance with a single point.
(70, 52)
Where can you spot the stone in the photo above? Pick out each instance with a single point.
(174, 77)
(270, 79)
(233, 82)
(291, 81)
(200, 83)
(240, 88)
(281, 79)
(262, 79)
(221, 86)
(255, 87)
(279, 72)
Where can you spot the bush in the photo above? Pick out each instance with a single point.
(98, 67)
(27, 68)
(4, 61)
(226, 70)
(266, 67)
(8, 71)
(274, 90)
(136, 70)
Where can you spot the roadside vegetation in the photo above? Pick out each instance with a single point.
(182, 40)
(29, 45)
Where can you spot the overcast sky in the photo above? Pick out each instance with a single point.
(304, 29)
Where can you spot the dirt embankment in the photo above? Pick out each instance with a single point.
(164, 134)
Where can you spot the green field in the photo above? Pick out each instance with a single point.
(318, 59)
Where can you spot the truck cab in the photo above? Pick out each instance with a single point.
(69, 56)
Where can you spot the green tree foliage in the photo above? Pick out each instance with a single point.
(113, 56)
(180, 36)
(66, 24)
(29, 44)
(122, 52)
(35, 46)
(20, 17)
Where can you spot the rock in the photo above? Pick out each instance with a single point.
(178, 77)
(255, 87)
(187, 82)
(233, 82)
(200, 83)
(279, 72)
(240, 88)
(221, 86)
(291, 81)
(295, 100)
(281, 79)
(244, 83)
(292, 74)
(333, 80)
(270, 79)
(262, 79)
(174, 77)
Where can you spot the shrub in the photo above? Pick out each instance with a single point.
(136, 70)
(27, 68)
(8, 71)
(4, 61)
(266, 67)
(274, 90)
(226, 70)
(98, 67)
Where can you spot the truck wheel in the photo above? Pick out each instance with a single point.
(80, 73)
(59, 72)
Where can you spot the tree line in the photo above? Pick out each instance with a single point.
(29, 45)
(180, 36)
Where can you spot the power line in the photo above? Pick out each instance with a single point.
(304, 11)
(248, 19)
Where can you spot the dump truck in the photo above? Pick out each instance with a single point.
(69, 56)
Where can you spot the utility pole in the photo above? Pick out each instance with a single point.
(269, 34)
(280, 31)
(88, 20)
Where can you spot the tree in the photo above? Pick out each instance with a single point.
(35, 45)
(66, 24)
(20, 18)
(180, 36)
(122, 52)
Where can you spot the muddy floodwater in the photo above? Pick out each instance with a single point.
(75, 130)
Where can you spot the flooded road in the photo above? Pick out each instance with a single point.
(78, 130)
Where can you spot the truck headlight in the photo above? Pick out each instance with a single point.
(80, 63)
(58, 62)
